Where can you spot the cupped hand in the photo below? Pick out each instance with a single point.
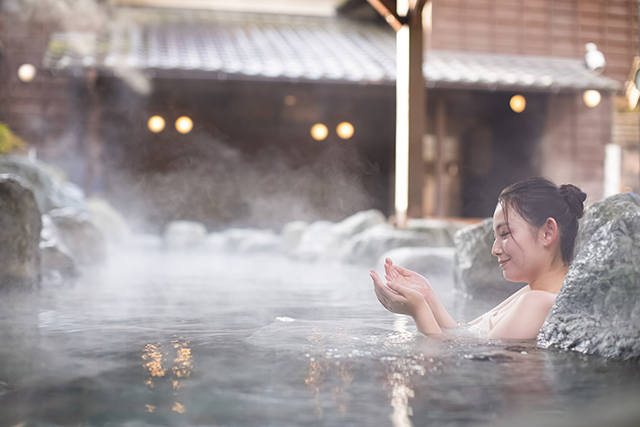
(397, 298)
(407, 278)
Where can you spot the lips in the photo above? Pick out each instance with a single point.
(503, 262)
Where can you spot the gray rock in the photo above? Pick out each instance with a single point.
(57, 260)
(109, 221)
(314, 241)
(367, 247)
(292, 233)
(428, 262)
(323, 240)
(440, 230)
(20, 225)
(244, 240)
(145, 242)
(477, 272)
(598, 309)
(51, 191)
(79, 235)
(180, 235)
(342, 231)
(260, 241)
(602, 212)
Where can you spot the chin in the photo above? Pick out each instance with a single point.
(511, 278)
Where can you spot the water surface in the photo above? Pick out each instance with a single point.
(196, 339)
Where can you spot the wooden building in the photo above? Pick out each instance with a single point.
(256, 84)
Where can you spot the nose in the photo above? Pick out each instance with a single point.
(496, 249)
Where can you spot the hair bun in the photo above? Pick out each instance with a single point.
(575, 198)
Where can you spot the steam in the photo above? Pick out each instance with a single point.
(67, 15)
(215, 184)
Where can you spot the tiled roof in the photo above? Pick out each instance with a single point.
(294, 47)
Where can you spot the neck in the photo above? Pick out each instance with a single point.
(551, 280)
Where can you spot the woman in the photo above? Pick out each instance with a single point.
(535, 226)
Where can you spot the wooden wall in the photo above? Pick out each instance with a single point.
(573, 145)
(42, 111)
(540, 28)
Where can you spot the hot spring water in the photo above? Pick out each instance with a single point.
(195, 339)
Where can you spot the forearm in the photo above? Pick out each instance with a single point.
(426, 321)
(441, 315)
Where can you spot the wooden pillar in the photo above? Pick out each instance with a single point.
(405, 16)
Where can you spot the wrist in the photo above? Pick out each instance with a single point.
(425, 320)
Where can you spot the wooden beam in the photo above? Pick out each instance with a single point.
(387, 9)
(410, 116)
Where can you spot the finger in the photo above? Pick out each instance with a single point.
(397, 288)
(382, 298)
(403, 271)
(376, 279)
(390, 271)
(384, 289)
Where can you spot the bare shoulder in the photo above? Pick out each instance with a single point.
(537, 299)
(525, 317)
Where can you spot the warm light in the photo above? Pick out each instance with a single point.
(591, 98)
(156, 124)
(345, 130)
(402, 126)
(26, 73)
(319, 132)
(290, 100)
(184, 125)
(518, 103)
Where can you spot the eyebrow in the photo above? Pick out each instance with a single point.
(502, 224)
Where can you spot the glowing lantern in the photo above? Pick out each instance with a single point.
(591, 98)
(156, 124)
(319, 131)
(184, 125)
(345, 130)
(26, 73)
(518, 103)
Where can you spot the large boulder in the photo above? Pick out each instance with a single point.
(323, 240)
(260, 241)
(180, 235)
(57, 261)
(477, 272)
(598, 309)
(244, 240)
(292, 233)
(350, 226)
(601, 213)
(440, 230)
(314, 241)
(109, 221)
(20, 226)
(367, 247)
(79, 235)
(51, 191)
(428, 262)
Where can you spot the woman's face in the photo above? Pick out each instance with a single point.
(518, 247)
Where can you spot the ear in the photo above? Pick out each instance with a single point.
(549, 232)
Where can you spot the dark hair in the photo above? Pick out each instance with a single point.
(537, 199)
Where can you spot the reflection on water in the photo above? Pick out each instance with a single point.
(205, 340)
(153, 354)
(398, 377)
